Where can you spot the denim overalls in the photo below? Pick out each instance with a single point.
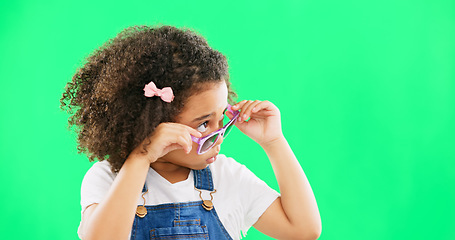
(186, 220)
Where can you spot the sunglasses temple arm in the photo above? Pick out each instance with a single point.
(232, 111)
(195, 139)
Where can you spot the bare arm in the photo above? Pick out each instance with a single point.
(295, 214)
(113, 217)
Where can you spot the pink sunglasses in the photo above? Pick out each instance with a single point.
(207, 142)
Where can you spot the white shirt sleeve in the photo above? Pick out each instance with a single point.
(253, 196)
(97, 182)
(95, 185)
(258, 196)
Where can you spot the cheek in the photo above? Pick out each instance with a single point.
(194, 148)
(180, 157)
(181, 154)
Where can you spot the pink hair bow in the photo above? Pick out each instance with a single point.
(166, 93)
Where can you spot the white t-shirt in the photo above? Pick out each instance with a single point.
(240, 198)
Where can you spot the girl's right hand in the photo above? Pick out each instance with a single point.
(165, 138)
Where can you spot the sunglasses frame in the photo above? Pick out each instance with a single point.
(220, 132)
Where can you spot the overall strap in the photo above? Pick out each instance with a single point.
(203, 179)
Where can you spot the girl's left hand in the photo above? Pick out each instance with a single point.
(264, 124)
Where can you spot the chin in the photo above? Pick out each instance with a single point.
(199, 167)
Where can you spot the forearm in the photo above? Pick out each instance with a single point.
(113, 217)
(297, 198)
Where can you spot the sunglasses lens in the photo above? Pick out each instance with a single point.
(228, 129)
(209, 143)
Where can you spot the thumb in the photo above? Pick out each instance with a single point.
(171, 148)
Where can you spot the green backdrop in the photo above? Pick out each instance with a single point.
(366, 90)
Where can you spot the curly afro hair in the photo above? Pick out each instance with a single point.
(105, 98)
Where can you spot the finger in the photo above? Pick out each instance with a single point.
(186, 138)
(189, 142)
(239, 105)
(193, 131)
(181, 127)
(186, 143)
(247, 109)
(264, 105)
(171, 147)
(182, 135)
(242, 108)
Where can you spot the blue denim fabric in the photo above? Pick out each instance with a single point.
(188, 220)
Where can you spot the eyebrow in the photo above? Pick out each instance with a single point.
(202, 117)
(206, 116)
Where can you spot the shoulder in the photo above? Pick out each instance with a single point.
(101, 171)
(96, 183)
(226, 166)
(227, 169)
(222, 161)
(229, 165)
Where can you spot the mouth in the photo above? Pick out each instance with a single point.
(212, 159)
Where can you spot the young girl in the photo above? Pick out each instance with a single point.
(152, 102)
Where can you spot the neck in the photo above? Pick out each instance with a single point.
(171, 172)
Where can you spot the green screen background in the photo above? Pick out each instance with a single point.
(366, 90)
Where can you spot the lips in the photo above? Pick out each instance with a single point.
(211, 160)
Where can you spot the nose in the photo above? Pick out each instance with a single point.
(219, 141)
(217, 146)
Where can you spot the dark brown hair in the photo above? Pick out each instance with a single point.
(105, 99)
